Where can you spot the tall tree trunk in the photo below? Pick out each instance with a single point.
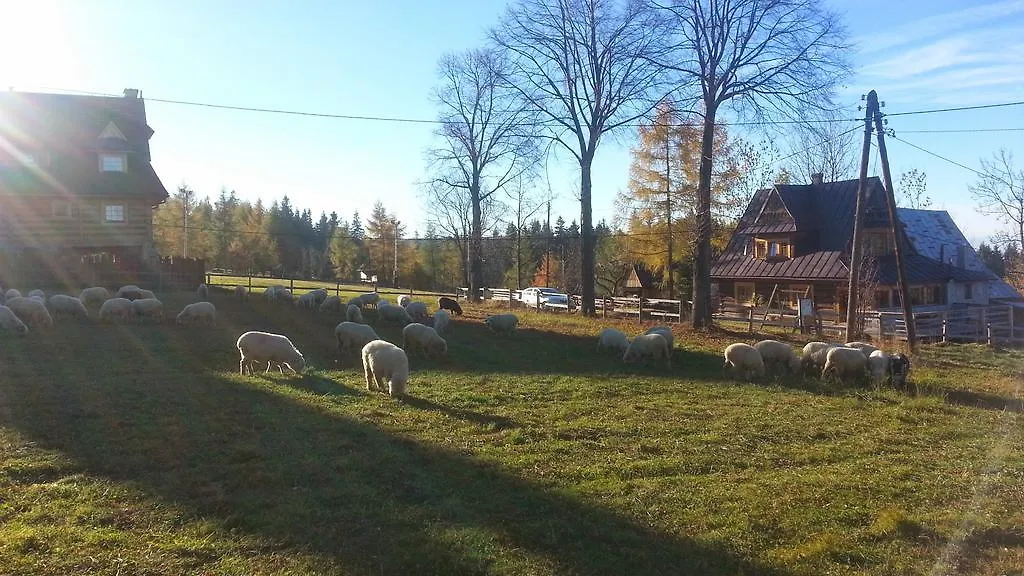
(702, 262)
(668, 213)
(476, 272)
(587, 246)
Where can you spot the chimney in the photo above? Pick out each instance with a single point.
(131, 93)
(961, 256)
(817, 178)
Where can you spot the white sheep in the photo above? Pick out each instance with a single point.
(370, 299)
(130, 292)
(424, 339)
(242, 293)
(878, 366)
(260, 347)
(844, 362)
(653, 346)
(31, 311)
(666, 333)
(148, 308)
(417, 311)
(37, 293)
(354, 314)
(385, 362)
(745, 359)
(94, 296)
(502, 323)
(196, 313)
(779, 354)
(356, 301)
(282, 294)
(331, 304)
(12, 293)
(203, 292)
(392, 313)
(64, 305)
(270, 293)
(10, 321)
(404, 300)
(612, 339)
(441, 320)
(38, 298)
(864, 347)
(814, 355)
(352, 336)
(307, 300)
(116, 308)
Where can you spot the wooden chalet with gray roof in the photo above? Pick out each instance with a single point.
(794, 241)
(75, 176)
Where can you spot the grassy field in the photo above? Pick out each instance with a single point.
(140, 450)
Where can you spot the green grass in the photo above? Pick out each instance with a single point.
(140, 450)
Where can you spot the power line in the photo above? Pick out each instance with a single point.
(822, 143)
(961, 130)
(957, 109)
(939, 156)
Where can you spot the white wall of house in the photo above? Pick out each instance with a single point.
(967, 293)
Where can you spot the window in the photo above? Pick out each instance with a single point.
(61, 209)
(113, 162)
(744, 292)
(760, 249)
(968, 291)
(113, 212)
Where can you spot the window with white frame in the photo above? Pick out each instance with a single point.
(113, 212)
(113, 162)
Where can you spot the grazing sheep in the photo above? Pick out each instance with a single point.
(62, 305)
(385, 362)
(148, 308)
(404, 300)
(307, 300)
(424, 339)
(260, 347)
(10, 321)
(11, 293)
(38, 298)
(864, 347)
(665, 331)
(270, 293)
(812, 359)
(116, 308)
(843, 362)
(356, 301)
(502, 323)
(745, 359)
(417, 311)
(37, 293)
(203, 292)
(331, 304)
(778, 354)
(612, 339)
(370, 299)
(899, 369)
(352, 336)
(878, 366)
(32, 311)
(441, 320)
(242, 293)
(130, 292)
(450, 304)
(653, 346)
(354, 314)
(94, 296)
(392, 313)
(196, 313)
(283, 294)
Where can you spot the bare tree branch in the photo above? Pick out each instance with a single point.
(1000, 192)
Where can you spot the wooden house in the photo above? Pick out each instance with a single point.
(642, 282)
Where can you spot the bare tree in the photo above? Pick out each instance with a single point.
(585, 66)
(767, 57)
(523, 205)
(824, 144)
(913, 189)
(1000, 192)
(450, 210)
(487, 142)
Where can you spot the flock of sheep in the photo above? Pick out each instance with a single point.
(20, 313)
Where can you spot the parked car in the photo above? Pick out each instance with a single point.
(547, 297)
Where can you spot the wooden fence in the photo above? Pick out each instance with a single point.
(60, 272)
(988, 324)
(299, 285)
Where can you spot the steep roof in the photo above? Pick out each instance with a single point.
(67, 130)
(641, 277)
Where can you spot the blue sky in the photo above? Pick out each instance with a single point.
(379, 59)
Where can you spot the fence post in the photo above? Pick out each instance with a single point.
(640, 310)
(1009, 311)
(537, 301)
(604, 307)
(988, 334)
(750, 319)
(374, 285)
(984, 317)
(291, 285)
(945, 327)
(510, 298)
(337, 289)
(680, 310)
(250, 281)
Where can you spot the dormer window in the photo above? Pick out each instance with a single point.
(113, 162)
(772, 249)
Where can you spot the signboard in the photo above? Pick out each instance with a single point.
(806, 307)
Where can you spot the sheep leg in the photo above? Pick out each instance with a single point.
(241, 366)
(368, 373)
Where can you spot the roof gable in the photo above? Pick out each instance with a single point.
(112, 132)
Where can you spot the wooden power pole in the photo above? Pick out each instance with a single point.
(856, 249)
(897, 235)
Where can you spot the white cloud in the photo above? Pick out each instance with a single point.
(939, 24)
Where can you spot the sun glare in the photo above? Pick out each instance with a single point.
(34, 44)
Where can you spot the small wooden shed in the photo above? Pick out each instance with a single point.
(642, 282)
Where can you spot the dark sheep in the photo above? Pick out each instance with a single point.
(446, 303)
(899, 369)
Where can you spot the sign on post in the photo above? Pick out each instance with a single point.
(806, 308)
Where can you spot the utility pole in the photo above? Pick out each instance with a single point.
(547, 250)
(668, 210)
(897, 235)
(394, 272)
(855, 252)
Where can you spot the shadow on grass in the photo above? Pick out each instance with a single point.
(494, 421)
(983, 400)
(362, 498)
